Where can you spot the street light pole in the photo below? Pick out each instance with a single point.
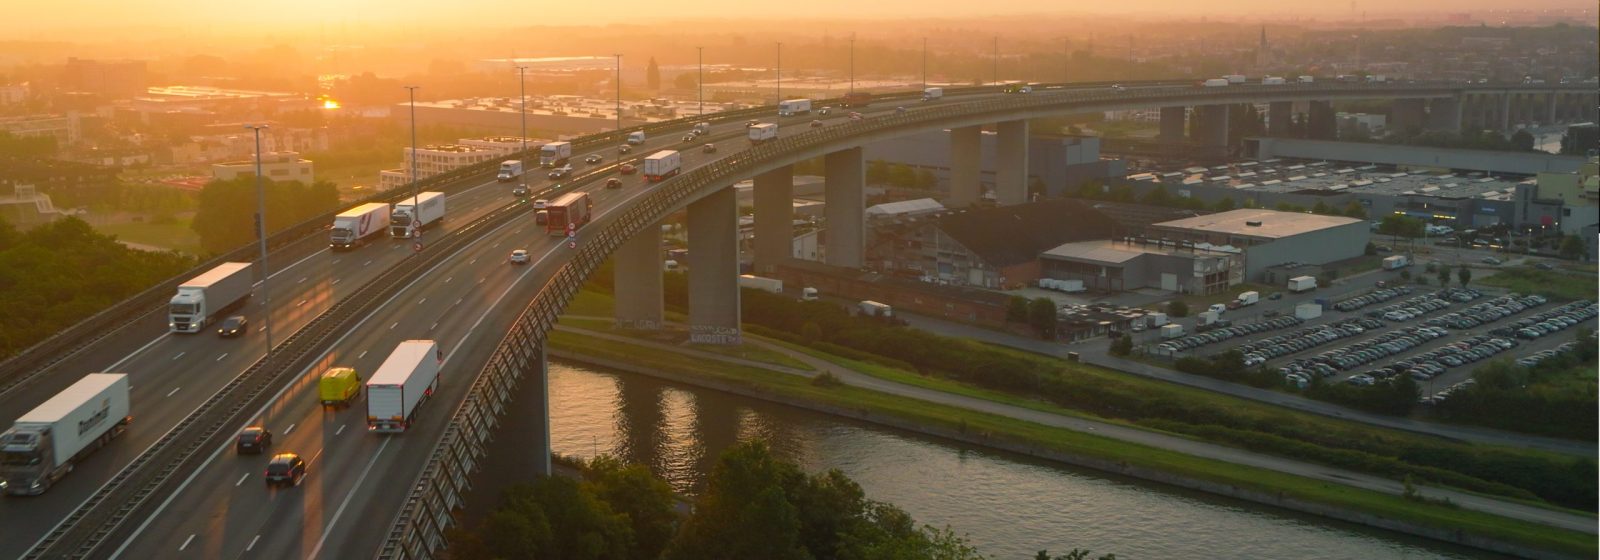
(522, 81)
(412, 91)
(924, 64)
(780, 79)
(261, 236)
(852, 62)
(996, 59)
(619, 91)
(700, 83)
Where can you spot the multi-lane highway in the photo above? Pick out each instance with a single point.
(358, 479)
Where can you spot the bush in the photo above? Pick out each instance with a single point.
(1177, 308)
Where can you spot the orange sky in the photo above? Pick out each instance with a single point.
(219, 15)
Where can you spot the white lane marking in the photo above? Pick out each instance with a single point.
(335, 281)
(419, 302)
(368, 263)
(341, 429)
(314, 457)
(302, 279)
(261, 328)
(224, 355)
(435, 326)
(180, 355)
(458, 302)
(302, 302)
(473, 261)
(241, 479)
(186, 542)
(252, 543)
(480, 280)
(175, 391)
(497, 244)
(291, 428)
(336, 261)
(363, 355)
(347, 497)
(447, 280)
(396, 324)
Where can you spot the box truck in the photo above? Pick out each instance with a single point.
(567, 212)
(762, 133)
(555, 153)
(1308, 79)
(930, 94)
(1234, 78)
(428, 209)
(773, 285)
(407, 377)
(208, 295)
(1249, 298)
(636, 138)
(808, 294)
(509, 169)
(1395, 262)
(1156, 319)
(1173, 330)
(663, 164)
(354, 227)
(338, 386)
(875, 309)
(44, 444)
(1307, 311)
(794, 107)
(1214, 82)
(1272, 81)
(1300, 284)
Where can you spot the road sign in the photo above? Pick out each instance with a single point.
(572, 244)
(416, 247)
(572, 230)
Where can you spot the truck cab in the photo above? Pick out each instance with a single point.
(636, 137)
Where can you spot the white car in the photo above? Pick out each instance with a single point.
(519, 256)
(540, 204)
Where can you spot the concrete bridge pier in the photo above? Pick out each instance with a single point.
(1011, 163)
(845, 208)
(965, 155)
(636, 281)
(1279, 115)
(1213, 125)
(1408, 114)
(774, 206)
(1505, 112)
(714, 269)
(1444, 113)
(1172, 121)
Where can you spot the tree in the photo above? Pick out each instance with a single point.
(1397, 225)
(1017, 309)
(877, 171)
(1177, 308)
(1042, 316)
(645, 500)
(1464, 274)
(1522, 141)
(1444, 275)
(1355, 210)
(901, 175)
(926, 180)
(744, 512)
(1122, 345)
(652, 74)
(1572, 247)
(1576, 142)
(225, 218)
(1321, 208)
(1224, 204)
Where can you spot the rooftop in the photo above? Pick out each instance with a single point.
(1327, 178)
(1008, 235)
(1261, 223)
(1122, 251)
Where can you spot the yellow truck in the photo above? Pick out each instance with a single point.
(339, 387)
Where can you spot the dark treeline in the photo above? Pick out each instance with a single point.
(226, 217)
(1551, 398)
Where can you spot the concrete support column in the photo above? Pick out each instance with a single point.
(637, 281)
(541, 409)
(965, 159)
(1408, 114)
(1172, 123)
(1321, 121)
(1279, 115)
(845, 208)
(1445, 114)
(1505, 112)
(1213, 123)
(1552, 101)
(1011, 163)
(714, 269)
(774, 205)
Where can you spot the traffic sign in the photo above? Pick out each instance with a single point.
(573, 244)
(571, 230)
(416, 247)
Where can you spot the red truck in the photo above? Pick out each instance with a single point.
(568, 210)
(856, 99)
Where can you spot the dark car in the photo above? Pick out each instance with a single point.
(285, 468)
(709, 148)
(627, 169)
(816, 124)
(592, 159)
(623, 149)
(254, 439)
(232, 326)
(519, 191)
(613, 183)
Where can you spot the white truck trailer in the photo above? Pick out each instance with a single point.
(44, 444)
(794, 107)
(555, 154)
(401, 224)
(1272, 81)
(1395, 262)
(208, 295)
(1234, 78)
(661, 165)
(1215, 82)
(1249, 298)
(933, 93)
(761, 133)
(356, 226)
(874, 309)
(1302, 284)
(406, 378)
(753, 282)
(509, 170)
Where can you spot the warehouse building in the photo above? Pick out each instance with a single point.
(995, 248)
(1270, 237)
(1136, 262)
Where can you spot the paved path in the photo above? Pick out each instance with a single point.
(1131, 435)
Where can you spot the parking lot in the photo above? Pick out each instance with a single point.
(1432, 335)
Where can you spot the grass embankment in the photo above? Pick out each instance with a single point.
(680, 338)
(1543, 282)
(1069, 442)
(175, 235)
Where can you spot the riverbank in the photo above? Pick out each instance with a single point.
(1079, 447)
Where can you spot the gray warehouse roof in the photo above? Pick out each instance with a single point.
(1260, 223)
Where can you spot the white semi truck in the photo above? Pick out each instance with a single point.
(509, 170)
(44, 444)
(773, 285)
(555, 154)
(208, 295)
(661, 165)
(401, 222)
(354, 227)
(794, 107)
(405, 379)
(933, 93)
(874, 309)
(764, 132)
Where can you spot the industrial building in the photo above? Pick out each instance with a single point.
(1135, 262)
(1270, 237)
(441, 158)
(277, 166)
(995, 248)
(1058, 162)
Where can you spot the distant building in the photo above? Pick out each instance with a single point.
(1059, 162)
(1270, 237)
(441, 158)
(1134, 263)
(995, 248)
(25, 207)
(556, 115)
(277, 166)
(13, 94)
(64, 128)
(113, 79)
(1579, 194)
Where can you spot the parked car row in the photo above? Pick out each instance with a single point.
(1260, 351)
(1367, 351)
(1221, 334)
(1433, 363)
(1550, 322)
(1459, 295)
(1411, 308)
(1370, 298)
(1542, 355)
(1445, 394)
(1486, 312)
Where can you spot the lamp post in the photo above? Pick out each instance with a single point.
(700, 82)
(522, 81)
(996, 59)
(779, 72)
(852, 62)
(619, 91)
(412, 91)
(261, 236)
(924, 64)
